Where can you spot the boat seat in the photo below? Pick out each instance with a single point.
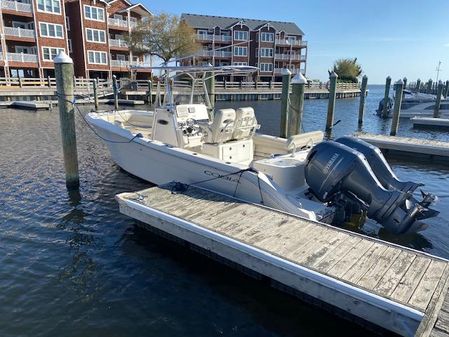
(266, 146)
(222, 127)
(245, 123)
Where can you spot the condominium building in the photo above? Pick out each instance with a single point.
(33, 32)
(267, 45)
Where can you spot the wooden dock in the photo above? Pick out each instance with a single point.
(396, 288)
(430, 122)
(418, 147)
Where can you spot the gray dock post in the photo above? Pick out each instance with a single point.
(446, 89)
(362, 100)
(64, 88)
(149, 93)
(386, 96)
(210, 85)
(418, 85)
(48, 81)
(331, 104)
(284, 101)
(296, 108)
(158, 94)
(95, 89)
(115, 89)
(436, 110)
(399, 87)
(429, 87)
(405, 82)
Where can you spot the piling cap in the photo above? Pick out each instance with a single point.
(62, 58)
(400, 82)
(285, 71)
(333, 74)
(299, 79)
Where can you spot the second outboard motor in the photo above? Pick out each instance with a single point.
(336, 172)
(382, 103)
(378, 164)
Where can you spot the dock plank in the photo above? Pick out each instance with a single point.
(365, 262)
(424, 291)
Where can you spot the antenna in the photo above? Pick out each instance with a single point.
(438, 69)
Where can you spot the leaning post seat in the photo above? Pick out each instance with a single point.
(222, 127)
(245, 123)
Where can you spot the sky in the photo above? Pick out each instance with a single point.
(396, 38)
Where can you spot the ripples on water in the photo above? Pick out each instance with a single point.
(72, 265)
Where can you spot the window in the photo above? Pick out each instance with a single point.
(95, 35)
(97, 57)
(48, 53)
(49, 6)
(240, 63)
(266, 37)
(51, 30)
(240, 35)
(67, 23)
(266, 67)
(266, 52)
(240, 51)
(93, 13)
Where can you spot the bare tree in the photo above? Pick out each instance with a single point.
(165, 36)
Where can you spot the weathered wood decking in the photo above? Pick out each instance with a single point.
(388, 285)
(405, 145)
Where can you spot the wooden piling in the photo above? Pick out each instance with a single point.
(48, 81)
(296, 108)
(429, 87)
(399, 87)
(418, 85)
(362, 100)
(436, 110)
(65, 88)
(284, 101)
(115, 89)
(331, 104)
(446, 89)
(158, 94)
(405, 82)
(95, 89)
(149, 92)
(386, 96)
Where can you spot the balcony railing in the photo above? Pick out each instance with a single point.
(19, 32)
(119, 63)
(21, 57)
(118, 43)
(16, 6)
(293, 70)
(282, 42)
(224, 38)
(288, 57)
(205, 37)
(118, 22)
(217, 53)
(140, 63)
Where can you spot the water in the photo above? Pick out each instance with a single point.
(72, 265)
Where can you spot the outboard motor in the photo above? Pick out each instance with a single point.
(378, 164)
(382, 103)
(337, 173)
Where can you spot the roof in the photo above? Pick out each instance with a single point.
(210, 21)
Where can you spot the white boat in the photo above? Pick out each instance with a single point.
(182, 143)
(416, 104)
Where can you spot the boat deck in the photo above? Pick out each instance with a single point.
(385, 284)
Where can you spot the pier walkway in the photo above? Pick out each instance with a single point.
(393, 287)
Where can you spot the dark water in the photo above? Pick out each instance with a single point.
(72, 265)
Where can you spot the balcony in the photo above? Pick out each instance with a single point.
(119, 63)
(21, 57)
(118, 23)
(16, 6)
(223, 38)
(19, 32)
(118, 43)
(293, 70)
(294, 43)
(217, 53)
(288, 57)
(205, 37)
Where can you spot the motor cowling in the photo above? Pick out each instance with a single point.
(336, 172)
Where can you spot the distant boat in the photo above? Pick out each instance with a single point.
(415, 104)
